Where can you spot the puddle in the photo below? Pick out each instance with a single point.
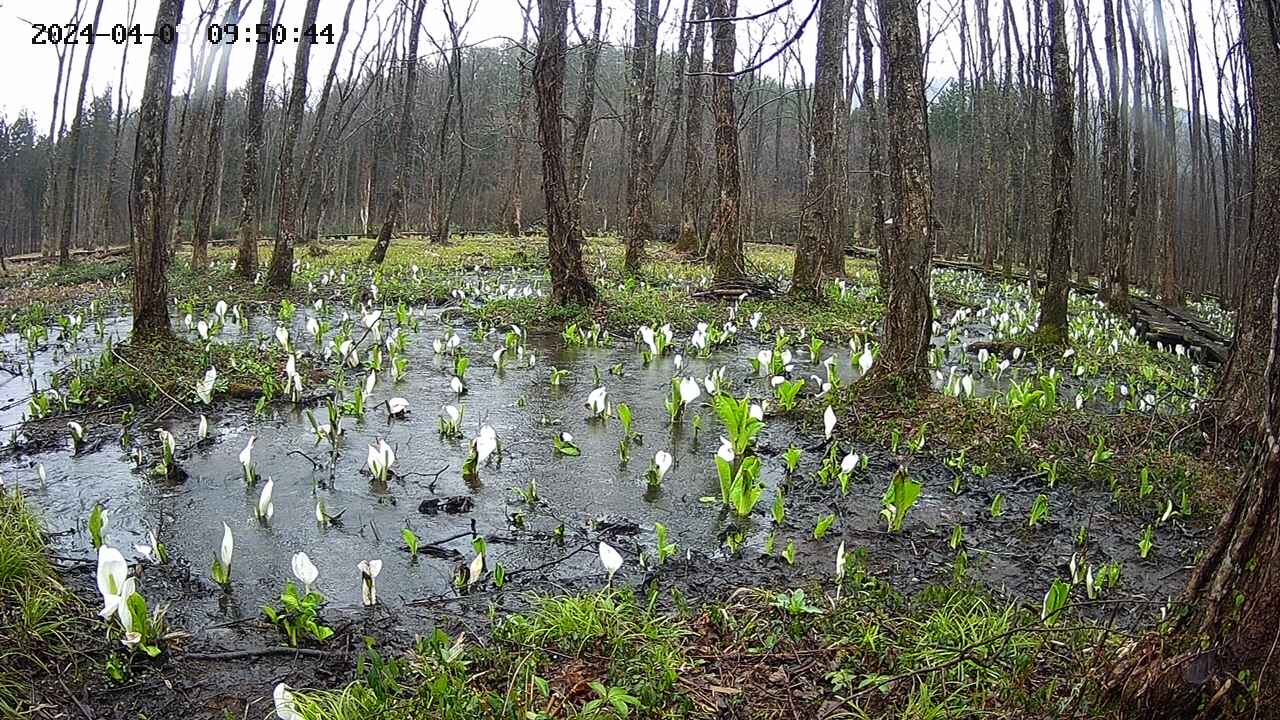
(591, 496)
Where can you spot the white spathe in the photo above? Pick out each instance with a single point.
(304, 570)
(610, 559)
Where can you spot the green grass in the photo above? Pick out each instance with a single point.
(950, 651)
(36, 625)
(151, 371)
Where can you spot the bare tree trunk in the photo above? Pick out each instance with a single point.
(691, 230)
(208, 196)
(73, 155)
(1169, 291)
(908, 316)
(640, 98)
(818, 215)
(247, 258)
(148, 206)
(1232, 598)
(582, 120)
(118, 130)
(1240, 390)
(1115, 286)
(447, 196)
(289, 223)
(1053, 306)
(404, 134)
(319, 130)
(875, 182)
(730, 266)
(515, 224)
(569, 283)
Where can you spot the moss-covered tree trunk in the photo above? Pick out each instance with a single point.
(1053, 306)
(726, 236)
(150, 209)
(908, 318)
(818, 215)
(1230, 622)
(569, 283)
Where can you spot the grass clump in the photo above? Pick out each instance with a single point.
(950, 651)
(36, 628)
(152, 370)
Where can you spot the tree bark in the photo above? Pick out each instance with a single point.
(1169, 291)
(1053, 306)
(213, 162)
(908, 317)
(1240, 391)
(289, 224)
(641, 91)
(818, 214)
(520, 130)
(247, 257)
(871, 131)
(149, 208)
(583, 120)
(1232, 600)
(73, 155)
(569, 283)
(404, 134)
(1115, 284)
(691, 230)
(726, 237)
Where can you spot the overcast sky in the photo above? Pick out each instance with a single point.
(31, 69)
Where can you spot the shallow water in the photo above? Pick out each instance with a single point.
(593, 496)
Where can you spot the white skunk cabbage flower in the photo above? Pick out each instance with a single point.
(304, 570)
(203, 431)
(369, 570)
(828, 421)
(113, 582)
(282, 335)
(849, 463)
(610, 559)
(204, 388)
(228, 546)
(397, 406)
(485, 444)
(662, 463)
(866, 359)
(725, 452)
(265, 508)
(598, 402)
(689, 390)
(381, 457)
(286, 708)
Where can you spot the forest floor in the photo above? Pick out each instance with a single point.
(1092, 476)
